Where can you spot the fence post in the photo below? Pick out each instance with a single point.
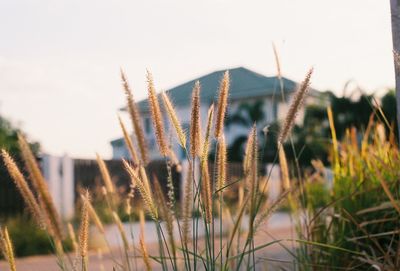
(274, 182)
(59, 174)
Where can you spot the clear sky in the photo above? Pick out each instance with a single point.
(60, 60)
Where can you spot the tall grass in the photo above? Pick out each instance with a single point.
(202, 242)
(353, 223)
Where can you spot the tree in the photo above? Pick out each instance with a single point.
(246, 115)
(11, 202)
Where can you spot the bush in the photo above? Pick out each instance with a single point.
(359, 228)
(29, 239)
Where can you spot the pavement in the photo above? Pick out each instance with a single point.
(273, 257)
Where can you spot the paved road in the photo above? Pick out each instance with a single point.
(274, 256)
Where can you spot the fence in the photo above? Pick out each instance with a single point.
(67, 177)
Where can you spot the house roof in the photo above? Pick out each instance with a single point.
(244, 83)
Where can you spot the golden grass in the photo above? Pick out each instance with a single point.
(7, 248)
(136, 120)
(295, 106)
(222, 104)
(157, 117)
(52, 218)
(195, 130)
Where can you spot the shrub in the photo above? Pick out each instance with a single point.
(359, 228)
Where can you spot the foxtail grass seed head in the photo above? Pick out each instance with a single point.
(128, 142)
(174, 119)
(206, 191)
(284, 168)
(294, 108)
(247, 161)
(52, 218)
(105, 174)
(156, 116)
(7, 248)
(136, 120)
(23, 188)
(195, 130)
(206, 143)
(143, 190)
(187, 203)
(221, 164)
(93, 216)
(84, 227)
(222, 104)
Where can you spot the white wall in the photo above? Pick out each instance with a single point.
(59, 174)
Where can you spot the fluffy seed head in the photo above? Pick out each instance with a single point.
(23, 188)
(156, 116)
(297, 102)
(222, 104)
(221, 164)
(174, 119)
(143, 190)
(52, 218)
(128, 142)
(187, 211)
(136, 120)
(284, 168)
(7, 248)
(84, 228)
(206, 143)
(195, 134)
(206, 195)
(105, 174)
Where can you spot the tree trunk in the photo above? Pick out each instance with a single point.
(395, 15)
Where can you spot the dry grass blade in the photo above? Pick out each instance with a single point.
(45, 200)
(121, 230)
(129, 143)
(175, 120)
(386, 188)
(72, 236)
(156, 116)
(195, 130)
(7, 248)
(23, 188)
(222, 104)
(136, 120)
(295, 107)
(142, 247)
(105, 174)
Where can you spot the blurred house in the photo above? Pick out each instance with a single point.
(246, 87)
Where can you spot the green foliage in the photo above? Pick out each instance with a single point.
(311, 140)
(358, 225)
(29, 239)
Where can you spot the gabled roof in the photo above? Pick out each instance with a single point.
(244, 83)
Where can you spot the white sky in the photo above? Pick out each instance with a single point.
(60, 60)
